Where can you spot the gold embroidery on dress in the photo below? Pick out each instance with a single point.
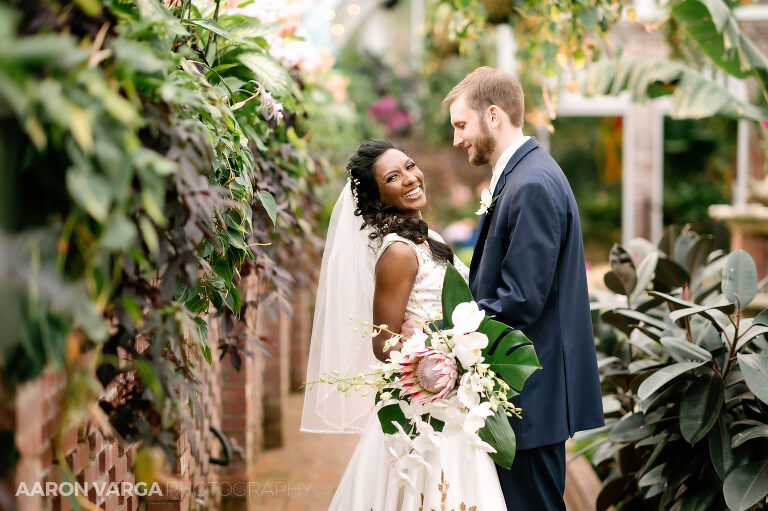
(443, 489)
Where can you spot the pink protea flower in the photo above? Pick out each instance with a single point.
(428, 375)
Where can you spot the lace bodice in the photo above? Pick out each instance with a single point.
(426, 296)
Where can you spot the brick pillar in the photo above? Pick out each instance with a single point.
(301, 331)
(276, 333)
(241, 406)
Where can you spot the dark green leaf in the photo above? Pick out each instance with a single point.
(389, 414)
(630, 428)
(455, 291)
(720, 450)
(747, 485)
(498, 433)
(745, 436)
(513, 358)
(700, 406)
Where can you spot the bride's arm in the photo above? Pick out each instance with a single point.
(395, 273)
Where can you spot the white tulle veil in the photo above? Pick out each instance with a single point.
(344, 297)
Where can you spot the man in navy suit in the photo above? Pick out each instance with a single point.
(528, 270)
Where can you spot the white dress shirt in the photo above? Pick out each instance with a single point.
(504, 159)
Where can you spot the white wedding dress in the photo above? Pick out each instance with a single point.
(461, 478)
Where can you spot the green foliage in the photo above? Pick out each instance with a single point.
(153, 158)
(711, 26)
(684, 381)
(694, 95)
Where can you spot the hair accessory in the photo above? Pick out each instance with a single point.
(355, 183)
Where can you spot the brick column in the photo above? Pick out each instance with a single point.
(301, 331)
(276, 334)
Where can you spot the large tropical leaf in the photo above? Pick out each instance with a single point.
(700, 406)
(694, 95)
(714, 28)
(747, 485)
(498, 433)
(510, 353)
(455, 291)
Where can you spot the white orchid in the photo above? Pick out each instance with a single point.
(417, 342)
(486, 201)
(466, 392)
(475, 419)
(427, 438)
(468, 348)
(466, 317)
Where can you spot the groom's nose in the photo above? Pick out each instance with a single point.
(457, 141)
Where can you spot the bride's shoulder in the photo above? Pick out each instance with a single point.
(391, 238)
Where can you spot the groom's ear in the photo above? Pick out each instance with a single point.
(493, 114)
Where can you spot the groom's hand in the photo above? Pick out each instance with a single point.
(411, 325)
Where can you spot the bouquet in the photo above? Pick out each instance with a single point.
(458, 379)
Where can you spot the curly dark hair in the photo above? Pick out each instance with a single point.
(382, 218)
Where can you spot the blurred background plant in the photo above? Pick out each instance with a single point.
(684, 376)
(154, 155)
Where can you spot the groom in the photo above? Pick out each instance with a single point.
(528, 271)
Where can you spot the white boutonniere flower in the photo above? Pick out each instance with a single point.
(486, 202)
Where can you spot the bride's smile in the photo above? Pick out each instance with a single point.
(400, 182)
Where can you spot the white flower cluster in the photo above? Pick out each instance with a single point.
(437, 378)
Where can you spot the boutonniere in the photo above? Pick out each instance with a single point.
(486, 202)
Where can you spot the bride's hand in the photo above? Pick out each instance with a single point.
(411, 324)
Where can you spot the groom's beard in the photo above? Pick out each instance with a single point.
(484, 146)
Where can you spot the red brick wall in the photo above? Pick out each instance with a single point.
(247, 406)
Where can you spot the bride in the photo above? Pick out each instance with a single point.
(380, 263)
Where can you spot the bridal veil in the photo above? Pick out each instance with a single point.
(344, 299)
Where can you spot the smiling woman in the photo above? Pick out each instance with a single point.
(400, 183)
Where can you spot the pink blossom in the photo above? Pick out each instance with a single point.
(384, 107)
(398, 120)
(428, 375)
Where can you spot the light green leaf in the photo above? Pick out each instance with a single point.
(211, 25)
(275, 77)
(725, 308)
(664, 376)
(268, 201)
(755, 369)
(685, 349)
(694, 96)
(119, 233)
(91, 192)
(739, 278)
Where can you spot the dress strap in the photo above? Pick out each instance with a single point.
(393, 237)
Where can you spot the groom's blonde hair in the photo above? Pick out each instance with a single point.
(486, 86)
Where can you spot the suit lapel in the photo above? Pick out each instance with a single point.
(482, 228)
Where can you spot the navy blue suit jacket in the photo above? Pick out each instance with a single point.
(528, 271)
